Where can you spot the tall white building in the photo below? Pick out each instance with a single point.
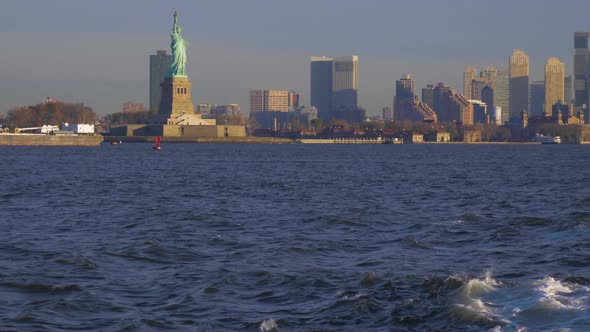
(519, 84)
(554, 83)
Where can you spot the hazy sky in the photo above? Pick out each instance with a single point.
(97, 52)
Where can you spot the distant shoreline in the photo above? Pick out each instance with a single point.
(275, 140)
(202, 140)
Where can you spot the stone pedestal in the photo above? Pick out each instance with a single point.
(176, 98)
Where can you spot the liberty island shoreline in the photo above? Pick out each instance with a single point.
(279, 140)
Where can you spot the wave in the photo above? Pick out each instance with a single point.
(42, 288)
(543, 305)
(269, 325)
(530, 221)
(468, 307)
(413, 242)
(81, 261)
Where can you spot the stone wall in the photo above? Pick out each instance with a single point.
(179, 131)
(49, 140)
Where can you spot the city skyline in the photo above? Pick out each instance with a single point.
(65, 51)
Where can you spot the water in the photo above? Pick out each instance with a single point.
(295, 237)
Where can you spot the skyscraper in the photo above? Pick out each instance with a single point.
(567, 83)
(344, 83)
(473, 84)
(321, 85)
(428, 95)
(502, 95)
(489, 74)
(580, 68)
(476, 86)
(334, 87)
(487, 96)
(404, 96)
(159, 64)
(469, 75)
(538, 98)
(554, 82)
(519, 83)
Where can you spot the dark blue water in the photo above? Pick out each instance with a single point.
(310, 238)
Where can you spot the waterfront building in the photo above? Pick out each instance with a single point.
(345, 83)
(404, 97)
(537, 102)
(420, 111)
(580, 68)
(451, 106)
(519, 84)
(321, 85)
(387, 113)
(502, 95)
(283, 121)
(159, 64)
(428, 95)
(441, 103)
(554, 82)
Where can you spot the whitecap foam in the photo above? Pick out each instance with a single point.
(269, 325)
(554, 303)
(468, 307)
(547, 304)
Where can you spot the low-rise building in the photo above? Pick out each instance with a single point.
(79, 128)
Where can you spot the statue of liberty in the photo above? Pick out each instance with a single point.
(178, 47)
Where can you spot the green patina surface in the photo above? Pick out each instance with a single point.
(178, 47)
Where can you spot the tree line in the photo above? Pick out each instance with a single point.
(54, 113)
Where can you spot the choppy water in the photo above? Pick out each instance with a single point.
(306, 238)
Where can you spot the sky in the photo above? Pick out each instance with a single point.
(97, 52)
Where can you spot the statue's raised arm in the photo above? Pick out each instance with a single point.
(175, 22)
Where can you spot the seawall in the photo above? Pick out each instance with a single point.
(48, 140)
